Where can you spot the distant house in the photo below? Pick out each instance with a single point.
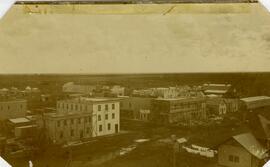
(117, 90)
(242, 150)
(70, 87)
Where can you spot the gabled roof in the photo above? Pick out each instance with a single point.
(265, 123)
(249, 142)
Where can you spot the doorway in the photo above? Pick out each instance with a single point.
(116, 128)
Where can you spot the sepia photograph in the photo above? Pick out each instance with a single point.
(135, 83)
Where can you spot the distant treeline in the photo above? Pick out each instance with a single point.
(247, 84)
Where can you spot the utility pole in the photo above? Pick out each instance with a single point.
(174, 145)
(69, 161)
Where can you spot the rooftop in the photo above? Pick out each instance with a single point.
(215, 91)
(255, 98)
(249, 142)
(5, 100)
(19, 120)
(91, 100)
(228, 85)
(69, 114)
(180, 99)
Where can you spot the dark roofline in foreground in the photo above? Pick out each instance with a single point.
(61, 2)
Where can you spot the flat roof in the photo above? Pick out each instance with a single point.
(27, 126)
(69, 114)
(11, 100)
(216, 91)
(255, 98)
(217, 85)
(179, 99)
(19, 120)
(91, 100)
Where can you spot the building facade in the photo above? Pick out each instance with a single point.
(135, 107)
(216, 106)
(232, 104)
(166, 111)
(221, 106)
(82, 118)
(12, 109)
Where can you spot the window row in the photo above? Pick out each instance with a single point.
(108, 127)
(106, 107)
(73, 120)
(9, 107)
(72, 132)
(76, 107)
(233, 158)
(106, 116)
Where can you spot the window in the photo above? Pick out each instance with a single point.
(106, 107)
(130, 105)
(71, 106)
(61, 135)
(80, 107)
(88, 130)
(65, 122)
(100, 128)
(21, 106)
(8, 107)
(67, 106)
(89, 118)
(99, 107)
(99, 117)
(79, 120)
(106, 116)
(85, 119)
(233, 158)
(113, 106)
(236, 159)
(109, 126)
(71, 121)
(58, 123)
(113, 115)
(71, 132)
(76, 107)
